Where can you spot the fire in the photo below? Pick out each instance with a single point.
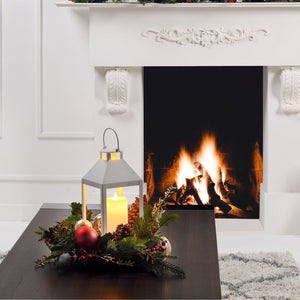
(209, 176)
(186, 168)
(208, 156)
(203, 168)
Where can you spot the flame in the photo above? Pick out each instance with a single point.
(149, 176)
(203, 166)
(201, 186)
(186, 168)
(208, 156)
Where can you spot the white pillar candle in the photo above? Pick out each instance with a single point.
(117, 210)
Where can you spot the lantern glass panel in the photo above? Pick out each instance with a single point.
(110, 155)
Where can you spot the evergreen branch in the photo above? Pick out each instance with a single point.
(113, 260)
(165, 265)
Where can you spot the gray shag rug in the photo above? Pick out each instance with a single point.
(264, 275)
(259, 276)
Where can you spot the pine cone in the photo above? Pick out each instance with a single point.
(49, 235)
(133, 211)
(122, 231)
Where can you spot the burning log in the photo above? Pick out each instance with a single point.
(190, 191)
(222, 188)
(240, 198)
(214, 198)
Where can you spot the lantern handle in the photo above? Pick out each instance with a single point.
(117, 138)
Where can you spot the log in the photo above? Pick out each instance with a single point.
(179, 194)
(235, 197)
(240, 198)
(214, 198)
(190, 191)
(223, 190)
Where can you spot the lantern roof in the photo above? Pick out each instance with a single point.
(111, 173)
(112, 170)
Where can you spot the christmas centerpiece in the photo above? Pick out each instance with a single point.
(119, 238)
(138, 246)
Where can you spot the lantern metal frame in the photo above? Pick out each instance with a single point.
(110, 171)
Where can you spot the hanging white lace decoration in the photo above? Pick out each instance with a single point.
(290, 90)
(116, 85)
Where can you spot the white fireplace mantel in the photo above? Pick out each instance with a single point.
(132, 36)
(203, 34)
(181, 5)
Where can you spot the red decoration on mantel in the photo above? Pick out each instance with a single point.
(231, 1)
(86, 238)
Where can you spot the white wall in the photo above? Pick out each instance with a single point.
(53, 116)
(54, 113)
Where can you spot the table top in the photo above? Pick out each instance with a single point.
(193, 240)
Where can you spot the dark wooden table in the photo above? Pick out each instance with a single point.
(193, 239)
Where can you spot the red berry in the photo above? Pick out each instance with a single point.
(154, 230)
(163, 243)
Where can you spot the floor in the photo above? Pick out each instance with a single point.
(245, 241)
(232, 242)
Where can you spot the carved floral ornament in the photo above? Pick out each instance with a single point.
(205, 37)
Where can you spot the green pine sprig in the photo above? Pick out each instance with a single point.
(163, 265)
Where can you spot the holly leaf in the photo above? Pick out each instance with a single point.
(166, 219)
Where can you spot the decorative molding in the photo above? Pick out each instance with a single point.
(128, 4)
(204, 37)
(116, 85)
(41, 133)
(41, 178)
(290, 90)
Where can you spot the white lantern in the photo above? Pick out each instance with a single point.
(111, 171)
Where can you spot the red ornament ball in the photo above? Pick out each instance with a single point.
(86, 238)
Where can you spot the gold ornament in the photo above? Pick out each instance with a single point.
(97, 223)
(82, 223)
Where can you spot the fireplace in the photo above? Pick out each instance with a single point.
(203, 137)
(133, 37)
